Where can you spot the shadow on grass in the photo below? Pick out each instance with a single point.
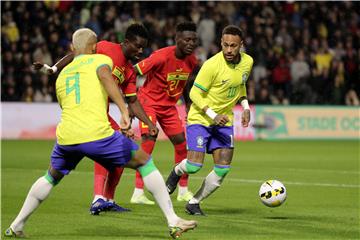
(225, 211)
(278, 218)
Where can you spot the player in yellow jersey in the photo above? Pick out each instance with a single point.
(219, 85)
(82, 89)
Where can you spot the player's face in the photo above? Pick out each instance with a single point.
(135, 48)
(186, 42)
(231, 45)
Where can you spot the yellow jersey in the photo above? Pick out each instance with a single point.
(83, 101)
(221, 85)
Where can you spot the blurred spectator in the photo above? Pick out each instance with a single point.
(351, 98)
(308, 50)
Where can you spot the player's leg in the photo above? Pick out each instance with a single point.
(127, 154)
(221, 146)
(173, 127)
(109, 191)
(105, 184)
(179, 143)
(41, 189)
(147, 144)
(197, 139)
(155, 184)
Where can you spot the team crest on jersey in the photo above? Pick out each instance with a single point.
(244, 78)
(200, 141)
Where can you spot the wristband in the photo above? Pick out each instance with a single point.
(54, 69)
(45, 68)
(245, 104)
(211, 113)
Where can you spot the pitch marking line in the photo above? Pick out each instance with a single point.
(237, 180)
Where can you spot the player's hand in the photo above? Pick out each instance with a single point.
(129, 133)
(153, 130)
(221, 120)
(38, 66)
(125, 122)
(245, 118)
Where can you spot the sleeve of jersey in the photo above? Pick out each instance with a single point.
(243, 92)
(105, 61)
(147, 64)
(201, 86)
(129, 86)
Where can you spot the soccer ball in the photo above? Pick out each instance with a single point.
(272, 193)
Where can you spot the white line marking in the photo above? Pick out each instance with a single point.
(320, 170)
(237, 180)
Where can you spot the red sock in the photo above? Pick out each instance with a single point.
(180, 154)
(148, 147)
(100, 176)
(112, 182)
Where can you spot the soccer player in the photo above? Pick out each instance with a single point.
(167, 71)
(136, 38)
(219, 85)
(82, 89)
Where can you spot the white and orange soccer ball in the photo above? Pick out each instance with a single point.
(272, 193)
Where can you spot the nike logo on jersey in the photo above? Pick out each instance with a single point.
(224, 81)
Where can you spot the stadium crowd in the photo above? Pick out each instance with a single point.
(304, 52)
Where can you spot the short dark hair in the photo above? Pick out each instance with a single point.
(136, 30)
(233, 30)
(186, 26)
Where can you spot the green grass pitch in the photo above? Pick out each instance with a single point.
(321, 177)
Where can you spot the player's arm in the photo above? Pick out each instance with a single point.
(245, 117)
(198, 97)
(139, 112)
(57, 67)
(104, 74)
(199, 91)
(150, 63)
(188, 86)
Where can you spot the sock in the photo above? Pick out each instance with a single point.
(154, 182)
(112, 182)
(96, 197)
(186, 166)
(100, 177)
(138, 192)
(148, 147)
(180, 154)
(180, 169)
(39, 191)
(182, 190)
(139, 183)
(209, 185)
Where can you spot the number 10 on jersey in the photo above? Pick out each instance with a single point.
(73, 84)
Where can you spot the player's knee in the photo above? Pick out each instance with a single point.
(147, 168)
(222, 170)
(52, 180)
(192, 167)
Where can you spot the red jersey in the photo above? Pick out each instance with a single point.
(166, 76)
(123, 71)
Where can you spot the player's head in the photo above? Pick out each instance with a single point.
(136, 39)
(186, 38)
(231, 42)
(84, 41)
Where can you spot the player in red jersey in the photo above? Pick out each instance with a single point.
(167, 71)
(136, 38)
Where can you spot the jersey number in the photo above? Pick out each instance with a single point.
(74, 87)
(232, 92)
